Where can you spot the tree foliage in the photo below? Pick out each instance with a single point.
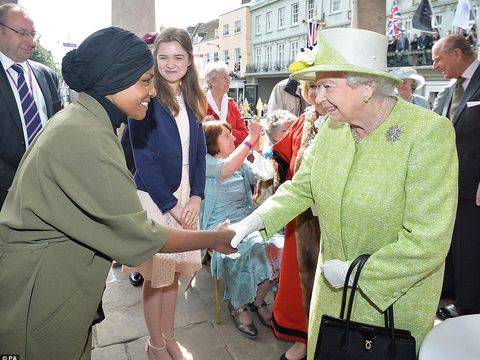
(44, 57)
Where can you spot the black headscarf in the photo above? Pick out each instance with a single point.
(108, 61)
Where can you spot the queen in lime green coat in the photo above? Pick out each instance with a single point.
(382, 176)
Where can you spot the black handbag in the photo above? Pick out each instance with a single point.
(342, 339)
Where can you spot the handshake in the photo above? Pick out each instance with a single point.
(335, 271)
(243, 228)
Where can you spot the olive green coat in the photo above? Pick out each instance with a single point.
(394, 199)
(72, 208)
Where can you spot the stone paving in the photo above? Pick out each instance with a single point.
(123, 334)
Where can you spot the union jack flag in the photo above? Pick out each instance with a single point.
(394, 21)
(312, 32)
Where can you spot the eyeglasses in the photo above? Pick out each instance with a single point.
(225, 78)
(24, 33)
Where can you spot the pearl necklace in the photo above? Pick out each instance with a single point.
(378, 121)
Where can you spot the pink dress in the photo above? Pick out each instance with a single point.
(161, 268)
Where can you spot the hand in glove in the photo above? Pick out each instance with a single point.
(251, 223)
(261, 167)
(335, 272)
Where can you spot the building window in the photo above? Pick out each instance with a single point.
(207, 57)
(295, 14)
(225, 56)
(226, 30)
(258, 57)
(238, 26)
(269, 57)
(437, 21)
(407, 25)
(310, 9)
(281, 18)
(238, 55)
(281, 55)
(293, 51)
(215, 56)
(268, 21)
(258, 25)
(334, 6)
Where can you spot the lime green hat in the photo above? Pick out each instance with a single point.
(346, 50)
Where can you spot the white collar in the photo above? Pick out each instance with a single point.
(223, 111)
(469, 71)
(7, 62)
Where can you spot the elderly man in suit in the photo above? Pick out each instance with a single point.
(453, 56)
(28, 91)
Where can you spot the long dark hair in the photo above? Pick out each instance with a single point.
(190, 85)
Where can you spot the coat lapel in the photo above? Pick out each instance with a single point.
(7, 93)
(471, 89)
(448, 100)
(42, 82)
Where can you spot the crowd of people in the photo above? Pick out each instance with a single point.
(417, 50)
(352, 161)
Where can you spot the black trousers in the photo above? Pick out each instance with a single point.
(462, 269)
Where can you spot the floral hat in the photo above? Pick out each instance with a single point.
(346, 50)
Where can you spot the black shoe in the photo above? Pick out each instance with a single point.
(136, 279)
(284, 357)
(254, 308)
(249, 331)
(452, 311)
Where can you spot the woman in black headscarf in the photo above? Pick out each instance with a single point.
(73, 206)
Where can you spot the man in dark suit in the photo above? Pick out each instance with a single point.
(17, 43)
(460, 101)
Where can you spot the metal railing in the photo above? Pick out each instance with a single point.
(409, 58)
(421, 57)
(267, 67)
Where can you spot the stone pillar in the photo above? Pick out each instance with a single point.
(136, 16)
(369, 15)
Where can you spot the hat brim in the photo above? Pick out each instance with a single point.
(310, 73)
(419, 80)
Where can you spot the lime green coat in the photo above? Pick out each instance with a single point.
(395, 200)
(72, 208)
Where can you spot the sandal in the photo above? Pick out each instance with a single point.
(247, 330)
(254, 308)
(151, 354)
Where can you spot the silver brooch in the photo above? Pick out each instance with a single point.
(393, 133)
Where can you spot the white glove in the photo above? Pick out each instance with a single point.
(335, 272)
(261, 168)
(251, 223)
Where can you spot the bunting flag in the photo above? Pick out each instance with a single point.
(462, 14)
(422, 19)
(312, 32)
(394, 21)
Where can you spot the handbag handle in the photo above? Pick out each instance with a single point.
(358, 263)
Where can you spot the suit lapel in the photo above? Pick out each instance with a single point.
(471, 89)
(7, 93)
(42, 82)
(448, 100)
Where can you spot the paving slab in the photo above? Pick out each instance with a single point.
(123, 334)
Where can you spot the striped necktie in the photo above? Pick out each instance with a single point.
(33, 123)
(457, 96)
